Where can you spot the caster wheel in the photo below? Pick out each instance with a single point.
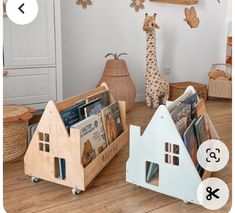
(34, 180)
(75, 191)
(185, 202)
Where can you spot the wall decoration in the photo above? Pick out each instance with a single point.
(84, 3)
(137, 4)
(191, 17)
(156, 86)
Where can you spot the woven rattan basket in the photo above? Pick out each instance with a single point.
(221, 88)
(116, 76)
(177, 89)
(15, 126)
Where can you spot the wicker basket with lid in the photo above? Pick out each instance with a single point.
(15, 126)
(117, 77)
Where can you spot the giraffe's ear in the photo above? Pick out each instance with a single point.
(146, 14)
(157, 26)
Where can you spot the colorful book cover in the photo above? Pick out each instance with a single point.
(93, 142)
(200, 108)
(62, 168)
(71, 115)
(192, 100)
(181, 125)
(81, 108)
(200, 170)
(112, 122)
(103, 97)
(94, 108)
(201, 131)
(180, 111)
(190, 141)
(152, 170)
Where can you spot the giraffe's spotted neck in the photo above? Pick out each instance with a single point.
(151, 58)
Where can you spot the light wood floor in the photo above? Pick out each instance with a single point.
(109, 192)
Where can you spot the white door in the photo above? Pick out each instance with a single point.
(29, 86)
(33, 44)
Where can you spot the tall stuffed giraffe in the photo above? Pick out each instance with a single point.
(156, 86)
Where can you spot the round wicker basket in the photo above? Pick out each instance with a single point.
(117, 78)
(15, 128)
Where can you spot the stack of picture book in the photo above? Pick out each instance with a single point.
(192, 121)
(99, 122)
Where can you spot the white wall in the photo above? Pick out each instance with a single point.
(112, 26)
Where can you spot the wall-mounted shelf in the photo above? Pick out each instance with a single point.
(188, 2)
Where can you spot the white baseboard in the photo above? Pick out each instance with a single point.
(140, 97)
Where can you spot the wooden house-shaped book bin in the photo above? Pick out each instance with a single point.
(51, 141)
(180, 181)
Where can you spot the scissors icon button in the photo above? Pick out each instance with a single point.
(211, 193)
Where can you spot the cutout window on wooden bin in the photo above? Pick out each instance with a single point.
(41, 146)
(47, 138)
(172, 152)
(44, 140)
(152, 173)
(47, 148)
(40, 136)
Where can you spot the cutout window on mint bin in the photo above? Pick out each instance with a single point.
(172, 153)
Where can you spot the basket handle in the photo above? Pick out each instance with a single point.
(26, 116)
(31, 110)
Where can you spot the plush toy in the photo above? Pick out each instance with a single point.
(219, 75)
(222, 78)
(216, 74)
(156, 86)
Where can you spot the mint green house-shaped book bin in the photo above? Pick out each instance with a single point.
(177, 175)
